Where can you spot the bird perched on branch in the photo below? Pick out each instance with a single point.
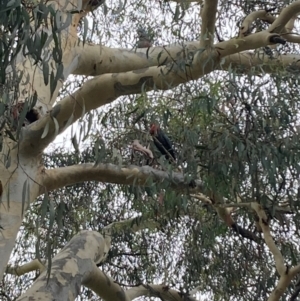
(162, 142)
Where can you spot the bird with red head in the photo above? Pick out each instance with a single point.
(162, 142)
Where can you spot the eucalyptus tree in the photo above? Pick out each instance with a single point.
(221, 77)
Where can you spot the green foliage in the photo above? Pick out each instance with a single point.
(237, 137)
(23, 34)
(238, 133)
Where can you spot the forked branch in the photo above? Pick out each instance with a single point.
(264, 15)
(79, 257)
(286, 15)
(104, 286)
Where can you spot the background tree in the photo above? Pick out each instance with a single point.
(114, 215)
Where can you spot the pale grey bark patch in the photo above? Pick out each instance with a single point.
(58, 288)
(147, 82)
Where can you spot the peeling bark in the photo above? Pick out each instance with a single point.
(70, 269)
(117, 72)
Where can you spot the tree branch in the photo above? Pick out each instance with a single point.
(161, 291)
(34, 265)
(77, 258)
(134, 175)
(246, 61)
(285, 16)
(263, 222)
(264, 15)
(109, 173)
(208, 15)
(295, 270)
(111, 86)
(104, 286)
(98, 59)
(224, 214)
(290, 25)
(280, 288)
(135, 224)
(285, 274)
